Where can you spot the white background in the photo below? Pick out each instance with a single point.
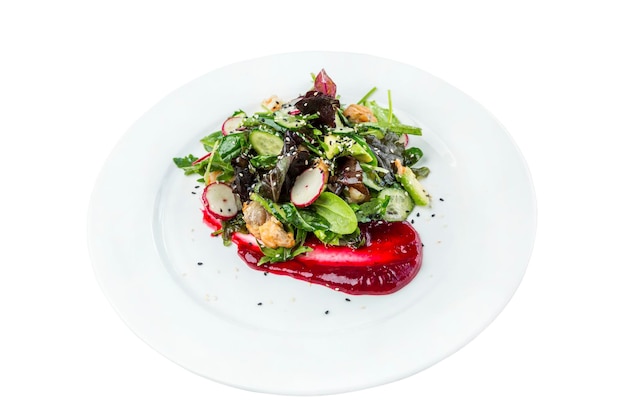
(74, 75)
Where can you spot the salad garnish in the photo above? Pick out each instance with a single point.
(309, 167)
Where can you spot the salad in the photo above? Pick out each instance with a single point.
(309, 169)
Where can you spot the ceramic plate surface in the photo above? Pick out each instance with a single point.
(193, 300)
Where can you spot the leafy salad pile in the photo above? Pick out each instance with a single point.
(311, 165)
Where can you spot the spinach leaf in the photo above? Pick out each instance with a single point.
(231, 146)
(411, 156)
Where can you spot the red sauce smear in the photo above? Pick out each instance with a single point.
(390, 258)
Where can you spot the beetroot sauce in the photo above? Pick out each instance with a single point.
(390, 258)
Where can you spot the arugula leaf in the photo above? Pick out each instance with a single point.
(372, 210)
(271, 207)
(421, 172)
(327, 237)
(402, 128)
(384, 116)
(353, 240)
(211, 140)
(231, 226)
(263, 161)
(217, 164)
(284, 254)
(387, 119)
(304, 219)
(187, 165)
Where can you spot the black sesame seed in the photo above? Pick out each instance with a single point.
(259, 304)
(440, 199)
(417, 214)
(432, 215)
(200, 263)
(347, 299)
(193, 192)
(326, 312)
(265, 273)
(197, 186)
(412, 221)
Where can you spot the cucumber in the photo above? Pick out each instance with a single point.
(400, 204)
(265, 143)
(289, 121)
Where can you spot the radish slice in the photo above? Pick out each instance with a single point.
(220, 201)
(308, 186)
(404, 138)
(231, 124)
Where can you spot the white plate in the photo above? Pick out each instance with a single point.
(146, 238)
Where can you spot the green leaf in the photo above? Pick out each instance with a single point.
(271, 207)
(402, 128)
(336, 212)
(263, 161)
(231, 146)
(280, 254)
(186, 164)
(211, 140)
(304, 219)
(388, 120)
(411, 156)
(217, 164)
(372, 210)
(231, 226)
(421, 172)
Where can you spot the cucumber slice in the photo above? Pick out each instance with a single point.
(400, 204)
(289, 121)
(265, 143)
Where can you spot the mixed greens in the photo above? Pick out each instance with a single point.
(309, 166)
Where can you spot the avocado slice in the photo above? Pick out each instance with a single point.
(331, 147)
(409, 182)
